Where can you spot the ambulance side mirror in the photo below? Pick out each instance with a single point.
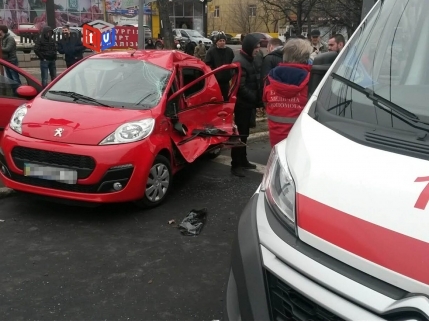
(321, 65)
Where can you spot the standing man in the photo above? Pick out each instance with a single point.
(45, 48)
(249, 97)
(317, 44)
(8, 46)
(218, 56)
(70, 45)
(336, 43)
(273, 58)
(200, 51)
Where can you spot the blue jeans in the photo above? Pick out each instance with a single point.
(11, 74)
(45, 67)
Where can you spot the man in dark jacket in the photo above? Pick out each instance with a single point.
(273, 58)
(8, 46)
(218, 56)
(70, 45)
(249, 97)
(45, 48)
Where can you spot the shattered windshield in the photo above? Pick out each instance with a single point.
(387, 55)
(123, 83)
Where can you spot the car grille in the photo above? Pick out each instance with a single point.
(287, 304)
(84, 165)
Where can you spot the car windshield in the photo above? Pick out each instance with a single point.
(122, 83)
(194, 33)
(387, 57)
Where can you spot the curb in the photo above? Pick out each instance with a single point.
(6, 192)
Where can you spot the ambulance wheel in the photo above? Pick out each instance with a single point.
(158, 183)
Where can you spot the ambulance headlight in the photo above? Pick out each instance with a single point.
(279, 187)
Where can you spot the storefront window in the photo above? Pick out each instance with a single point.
(189, 8)
(178, 8)
(198, 8)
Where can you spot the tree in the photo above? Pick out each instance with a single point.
(244, 15)
(346, 13)
(166, 29)
(295, 11)
(269, 16)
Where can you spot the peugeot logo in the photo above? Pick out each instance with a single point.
(59, 132)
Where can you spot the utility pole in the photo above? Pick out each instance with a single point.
(166, 30)
(50, 14)
(141, 31)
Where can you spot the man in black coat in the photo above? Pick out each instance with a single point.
(273, 58)
(217, 56)
(70, 45)
(249, 97)
(45, 48)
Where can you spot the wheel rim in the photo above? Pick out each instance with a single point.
(157, 182)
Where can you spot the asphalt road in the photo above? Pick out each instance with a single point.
(122, 263)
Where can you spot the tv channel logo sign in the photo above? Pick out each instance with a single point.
(99, 35)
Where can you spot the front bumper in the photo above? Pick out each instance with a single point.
(275, 276)
(98, 168)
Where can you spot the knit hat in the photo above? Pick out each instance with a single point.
(220, 36)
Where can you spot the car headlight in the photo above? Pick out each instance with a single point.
(130, 132)
(279, 187)
(17, 118)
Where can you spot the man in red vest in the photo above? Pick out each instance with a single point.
(286, 88)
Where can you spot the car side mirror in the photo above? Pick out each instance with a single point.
(321, 65)
(26, 91)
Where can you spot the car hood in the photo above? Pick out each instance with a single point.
(363, 206)
(81, 124)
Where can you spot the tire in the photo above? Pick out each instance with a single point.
(213, 154)
(158, 183)
(158, 45)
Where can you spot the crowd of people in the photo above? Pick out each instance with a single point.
(276, 83)
(46, 48)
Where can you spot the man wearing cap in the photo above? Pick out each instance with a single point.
(217, 56)
(317, 44)
(249, 97)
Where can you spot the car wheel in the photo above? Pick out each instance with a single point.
(213, 154)
(158, 183)
(158, 45)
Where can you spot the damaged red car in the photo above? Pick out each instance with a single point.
(116, 127)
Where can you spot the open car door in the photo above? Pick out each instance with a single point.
(9, 99)
(202, 117)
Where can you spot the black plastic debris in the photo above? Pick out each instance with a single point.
(193, 222)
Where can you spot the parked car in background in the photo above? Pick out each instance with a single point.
(28, 32)
(264, 38)
(194, 36)
(236, 39)
(229, 39)
(25, 45)
(151, 114)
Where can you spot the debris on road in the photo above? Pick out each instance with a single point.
(150, 282)
(193, 222)
(172, 221)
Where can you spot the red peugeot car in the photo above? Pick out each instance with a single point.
(116, 127)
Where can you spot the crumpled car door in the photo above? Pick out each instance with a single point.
(206, 123)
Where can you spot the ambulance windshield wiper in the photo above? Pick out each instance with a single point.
(78, 96)
(377, 99)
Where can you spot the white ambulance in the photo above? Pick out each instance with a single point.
(339, 228)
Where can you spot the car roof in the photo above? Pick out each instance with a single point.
(161, 58)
